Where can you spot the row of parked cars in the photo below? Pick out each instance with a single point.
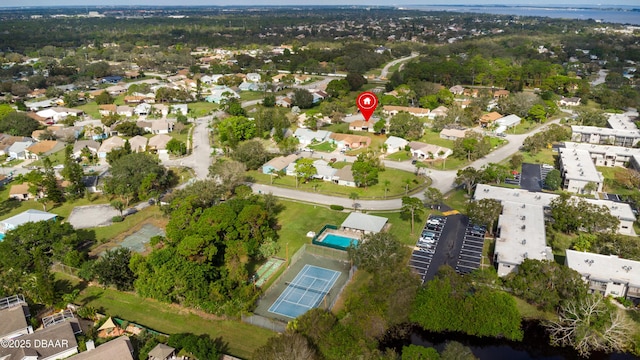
(431, 234)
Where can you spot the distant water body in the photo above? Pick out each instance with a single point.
(608, 13)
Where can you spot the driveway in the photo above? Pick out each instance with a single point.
(531, 179)
(83, 217)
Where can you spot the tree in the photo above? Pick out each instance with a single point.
(50, 183)
(176, 147)
(571, 214)
(484, 212)
(537, 113)
(546, 284)
(355, 81)
(229, 173)
(516, 161)
(472, 146)
(305, 169)
(118, 205)
(286, 346)
(365, 169)
(413, 206)
(354, 196)
(251, 153)
(590, 187)
(386, 187)
(380, 126)
(468, 177)
(377, 253)
(416, 352)
(18, 124)
(590, 117)
(200, 346)
(433, 197)
(104, 98)
(302, 99)
(129, 128)
(553, 180)
(591, 324)
(135, 176)
(406, 126)
(269, 100)
(113, 269)
(235, 129)
(454, 350)
(73, 173)
(338, 88)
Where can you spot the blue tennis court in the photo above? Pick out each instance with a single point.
(305, 292)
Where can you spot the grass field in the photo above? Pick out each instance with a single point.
(397, 184)
(324, 146)
(399, 156)
(434, 138)
(105, 233)
(401, 225)
(610, 185)
(202, 108)
(91, 108)
(56, 158)
(298, 218)
(241, 339)
(544, 156)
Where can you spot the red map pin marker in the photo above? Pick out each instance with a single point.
(367, 102)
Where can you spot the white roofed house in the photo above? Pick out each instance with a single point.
(457, 90)
(109, 144)
(363, 223)
(138, 143)
(180, 109)
(607, 274)
(395, 144)
(279, 163)
(440, 111)
(507, 122)
(18, 149)
(61, 340)
(220, 93)
(306, 136)
(324, 171)
(142, 109)
(24, 217)
(572, 101)
(424, 151)
(253, 77)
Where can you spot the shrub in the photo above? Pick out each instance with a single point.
(117, 219)
(336, 207)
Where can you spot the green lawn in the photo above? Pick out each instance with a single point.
(610, 183)
(544, 156)
(91, 108)
(297, 219)
(530, 312)
(105, 233)
(251, 95)
(202, 108)
(242, 339)
(399, 156)
(401, 225)
(395, 177)
(434, 138)
(56, 158)
(324, 146)
(457, 199)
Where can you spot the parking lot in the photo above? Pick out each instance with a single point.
(449, 240)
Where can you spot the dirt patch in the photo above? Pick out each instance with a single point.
(115, 241)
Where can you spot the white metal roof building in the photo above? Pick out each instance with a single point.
(605, 136)
(578, 170)
(364, 223)
(607, 274)
(24, 217)
(522, 236)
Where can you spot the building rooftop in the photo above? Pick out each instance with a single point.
(621, 121)
(116, 349)
(633, 133)
(24, 217)
(604, 267)
(522, 234)
(360, 221)
(281, 162)
(61, 334)
(13, 319)
(619, 210)
(577, 165)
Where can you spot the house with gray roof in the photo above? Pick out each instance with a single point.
(395, 144)
(345, 177)
(31, 215)
(13, 317)
(363, 223)
(116, 349)
(60, 342)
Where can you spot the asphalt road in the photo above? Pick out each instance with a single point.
(385, 70)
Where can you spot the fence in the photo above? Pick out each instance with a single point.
(60, 267)
(264, 322)
(324, 250)
(332, 227)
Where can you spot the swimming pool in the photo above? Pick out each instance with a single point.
(338, 241)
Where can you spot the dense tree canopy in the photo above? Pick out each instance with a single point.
(138, 176)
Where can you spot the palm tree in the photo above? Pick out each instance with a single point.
(413, 206)
(386, 187)
(406, 188)
(354, 196)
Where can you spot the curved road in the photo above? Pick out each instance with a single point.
(385, 69)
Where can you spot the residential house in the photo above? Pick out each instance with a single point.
(392, 110)
(279, 163)
(62, 335)
(345, 177)
(113, 79)
(220, 93)
(43, 148)
(253, 77)
(90, 145)
(440, 111)
(471, 93)
(142, 109)
(498, 94)
(424, 151)
(607, 275)
(20, 192)
(350, 142)
(138, 143)
(161, 126)
(90, 183)
(306, 136)
(318, 95)
(18, 149)
(284, 102)
(161, 109)
(116, 90)
(277, 78)
(6, 141)
(162, 352)
(489, 118)
(324, 171)
(158, 144)
(27, 216)
(453, 134)
(124, 110)
(108, 109)
(133, 99)
(14, 312)
(361, 125)
(249, 86)
(58, 113)
(457, 90)
(395, 144)
(507, 122)
(572, 101)
(364, 223)
(109, 144)
(117, 349)
(37, 118)
(180, 109)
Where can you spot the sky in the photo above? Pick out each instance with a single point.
(17, 3)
